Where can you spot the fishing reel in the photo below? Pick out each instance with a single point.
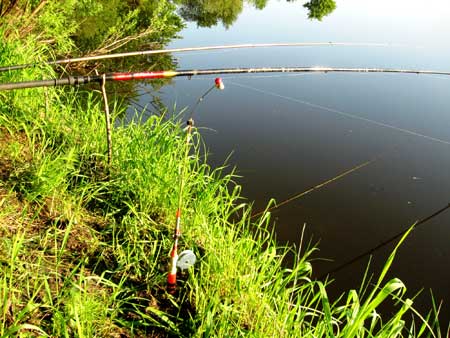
(186, 259)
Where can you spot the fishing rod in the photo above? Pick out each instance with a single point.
(384, 243)
(149, 75)
(186, 258)
(194, 49)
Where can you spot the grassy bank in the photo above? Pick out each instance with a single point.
(84, 247)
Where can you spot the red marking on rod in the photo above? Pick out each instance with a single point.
(178, 214)
(140, 75)
(173, 253)
(172, 278)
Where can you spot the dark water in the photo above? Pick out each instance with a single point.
(284, 138)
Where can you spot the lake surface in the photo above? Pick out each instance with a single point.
(287, 133)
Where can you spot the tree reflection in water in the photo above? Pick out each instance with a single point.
(208, 13)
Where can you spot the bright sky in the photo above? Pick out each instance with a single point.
(397, 21)
(401, 20)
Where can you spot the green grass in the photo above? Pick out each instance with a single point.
(84, 248)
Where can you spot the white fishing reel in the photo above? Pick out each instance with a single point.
(186, 259)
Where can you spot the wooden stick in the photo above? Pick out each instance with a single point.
(108, 122)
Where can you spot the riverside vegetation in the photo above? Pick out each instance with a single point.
(84, 247)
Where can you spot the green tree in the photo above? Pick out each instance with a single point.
(258, 4)
(108, 25)
(209, 13)
(320, 8)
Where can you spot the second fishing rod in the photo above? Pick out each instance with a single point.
(186, 258)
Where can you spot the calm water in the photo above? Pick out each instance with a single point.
(283, 139)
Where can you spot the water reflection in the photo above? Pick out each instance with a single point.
(122, 26)
(110, 25)
(320, 8)
(210, 12)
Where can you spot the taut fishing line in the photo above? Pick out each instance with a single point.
(384, 243)
(317, 186)
(342, 113)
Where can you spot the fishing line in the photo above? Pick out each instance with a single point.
(144, 109)
(384, 243)
(146, 92)
(342, 113)
(440, 77)
(217, 84)
(318, 186)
